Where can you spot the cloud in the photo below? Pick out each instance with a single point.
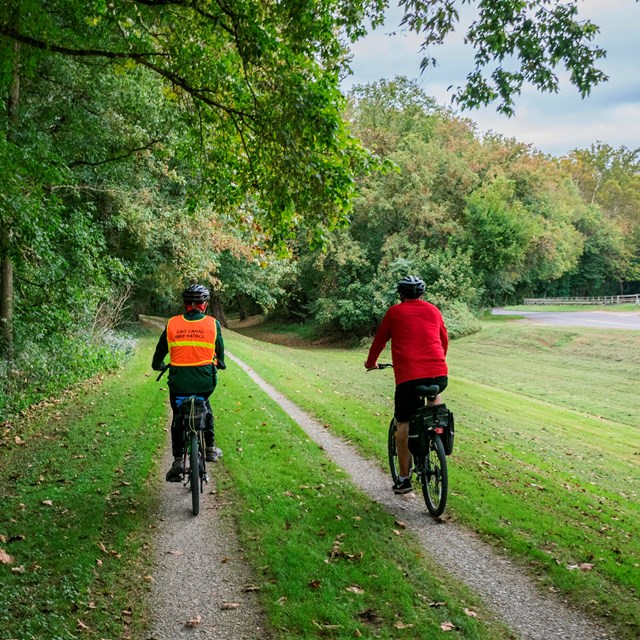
(554, 123)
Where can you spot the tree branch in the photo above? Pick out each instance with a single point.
(139, 58)
(129, 153)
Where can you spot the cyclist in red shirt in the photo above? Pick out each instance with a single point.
(419, 344)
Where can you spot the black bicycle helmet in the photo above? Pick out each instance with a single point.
(411, 287)
(195, 294)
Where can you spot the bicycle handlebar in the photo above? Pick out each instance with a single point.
(162, 372)
(382, 365)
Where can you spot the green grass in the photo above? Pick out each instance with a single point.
(545, 466)
(76, 504)
(85, 555)
(547, 454)
(294, 507)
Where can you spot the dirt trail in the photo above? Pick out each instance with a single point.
(199, 574)
(505, 587)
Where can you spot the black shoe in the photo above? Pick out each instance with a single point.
(402, 486)
(175, 473)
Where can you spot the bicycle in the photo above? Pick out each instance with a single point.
(192, 413)
(430, 428)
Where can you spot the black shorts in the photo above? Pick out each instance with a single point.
(406, 401)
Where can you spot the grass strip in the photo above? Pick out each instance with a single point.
(551, 482)
(76, 507)
(330, 561)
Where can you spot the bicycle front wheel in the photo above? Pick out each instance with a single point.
(394, 463)
(434, 480)
(194, 474)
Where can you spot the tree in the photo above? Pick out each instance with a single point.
(255, 91)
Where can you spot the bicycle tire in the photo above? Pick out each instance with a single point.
(194, 474)
(434, 478)
(394, 463)
(203, 463)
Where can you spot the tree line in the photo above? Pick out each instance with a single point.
(145, 143)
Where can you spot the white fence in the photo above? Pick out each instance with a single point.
(632, 299)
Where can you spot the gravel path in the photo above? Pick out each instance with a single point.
(202, 588)
(513, 595)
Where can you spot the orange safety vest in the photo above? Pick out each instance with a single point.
(192, 343)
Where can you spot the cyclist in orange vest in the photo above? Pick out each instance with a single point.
(194, 343)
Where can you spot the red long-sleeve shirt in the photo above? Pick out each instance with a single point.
(419, 341)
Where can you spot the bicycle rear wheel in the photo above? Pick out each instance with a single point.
(434, 480)
(394, 463)
(194, 473)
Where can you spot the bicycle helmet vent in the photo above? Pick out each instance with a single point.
(411, 287)
(195, 294)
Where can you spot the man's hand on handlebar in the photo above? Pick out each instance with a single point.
(382, 365)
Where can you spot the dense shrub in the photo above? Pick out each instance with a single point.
(43, 369)
(460, 320)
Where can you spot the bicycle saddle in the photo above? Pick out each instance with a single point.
(428, 392)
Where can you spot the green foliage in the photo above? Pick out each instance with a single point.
(515, 42)
(44, 368)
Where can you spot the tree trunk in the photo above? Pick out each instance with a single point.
(6, 263)
(217, 311)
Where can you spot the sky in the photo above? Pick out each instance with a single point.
(552, 123)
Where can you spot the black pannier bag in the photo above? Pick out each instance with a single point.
(426, 419)
(193, 414)
(448, 435)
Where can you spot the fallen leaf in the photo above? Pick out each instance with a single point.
(471, 613)
(48, 503)
(400, 524)
(357, 633)
(82, 626)
(225, 606)
(99, 562)
(148, 578)
(354, 588)
(127, 612)
(447, 626)
(585, 566)
(19, 440)
(5, 558)
(281, 600)
(314, 584)
(179, 552)
(249, 588)
(437, 604)
(102, 547)
(19, 569)
(402, 625)
(194, 622)
(396, 532)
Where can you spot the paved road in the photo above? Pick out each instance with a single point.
(593, 319)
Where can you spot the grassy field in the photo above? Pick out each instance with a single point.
(76, 508)
(329, 561)
(79, 485)
(547, 457)
(545, 466)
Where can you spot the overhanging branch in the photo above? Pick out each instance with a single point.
(138, 58)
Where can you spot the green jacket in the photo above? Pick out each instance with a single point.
(190, 380)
